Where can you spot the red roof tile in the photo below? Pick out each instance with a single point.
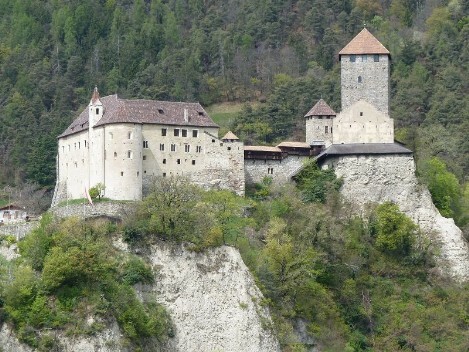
(364, 43)
(321, 109)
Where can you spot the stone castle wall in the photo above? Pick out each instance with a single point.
(319, 129)
(376, 179)
(365, 79)
(280, 171)
(223, 165)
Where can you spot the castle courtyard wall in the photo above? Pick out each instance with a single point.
(280, 171)
(363, 123)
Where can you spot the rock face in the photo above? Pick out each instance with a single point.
(376, 179)
(213, 301)
(211, 297)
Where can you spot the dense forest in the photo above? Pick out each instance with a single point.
(281, 53)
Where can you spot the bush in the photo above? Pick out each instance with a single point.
(315, 184)
(135, 271)
(395, 232)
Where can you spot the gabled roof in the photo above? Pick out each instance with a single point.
(118, 110)
(293, 145)
(364, 43)
(230, 135)
(321, 109)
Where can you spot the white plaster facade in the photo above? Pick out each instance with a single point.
(125, 155)
(362, 123)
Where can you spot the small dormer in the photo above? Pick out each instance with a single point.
(96, 108)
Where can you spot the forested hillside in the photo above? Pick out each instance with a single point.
(282, 53)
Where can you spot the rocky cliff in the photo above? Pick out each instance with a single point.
(211, 297)
(375, 179)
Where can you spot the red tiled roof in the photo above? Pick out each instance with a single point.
(95, 97)
(364, 43)
(321, 109)
(118, 110)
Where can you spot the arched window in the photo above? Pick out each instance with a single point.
(359, 79)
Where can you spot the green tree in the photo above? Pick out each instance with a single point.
(442, 184)
(316, 184)
(395, 232)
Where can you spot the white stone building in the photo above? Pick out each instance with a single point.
(123, 143)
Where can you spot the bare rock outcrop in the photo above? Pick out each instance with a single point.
(376, 179)
(213, 301)
(211, 297)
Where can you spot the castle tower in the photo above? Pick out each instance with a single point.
(365, 64)
(319, 123)
(96, 143)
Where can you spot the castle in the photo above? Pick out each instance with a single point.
(123, 144)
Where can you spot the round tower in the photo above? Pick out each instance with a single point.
(365, 65)
(319, 122)
(96, 151)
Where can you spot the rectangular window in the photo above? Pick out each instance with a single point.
(376, 58)
(193, 162)
(178, 161)
(187, 148)
(144, 157)
(85, 143)
(163, 132)
(198, 149)
(195, 133)
(122, 173)
(161, 146)
(79, 145)
(184, 133)
(145, 144)
(164, 174)
(129, 135)
(270, 170)
(63, 149)
(164, 161)
(326, 129)
(129, 154)
(176, 132)
(173, 147)
(352, 58)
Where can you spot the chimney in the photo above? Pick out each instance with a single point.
(186, 115)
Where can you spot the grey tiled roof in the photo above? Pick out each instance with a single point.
(363, 149)
(118, 110)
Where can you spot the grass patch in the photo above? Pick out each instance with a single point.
(3, 202)
(224, 113)
(83, 201)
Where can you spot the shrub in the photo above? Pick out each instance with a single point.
(135, 271)
(315, 184)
